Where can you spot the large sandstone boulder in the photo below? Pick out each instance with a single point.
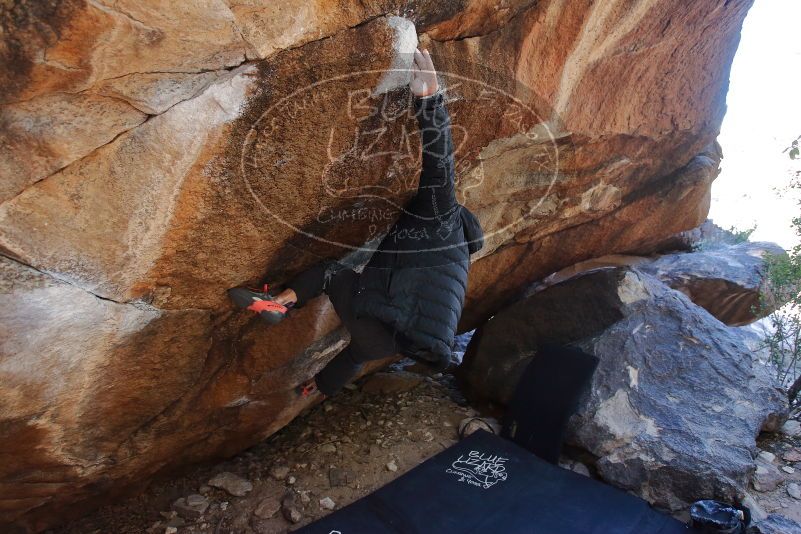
(677, 399)
(628, 228)
(154, 154)
(728, 280)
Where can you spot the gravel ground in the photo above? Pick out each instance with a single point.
(343, 449)
(331, 455)
(782, 470)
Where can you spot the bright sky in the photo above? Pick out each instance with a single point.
(763, 117)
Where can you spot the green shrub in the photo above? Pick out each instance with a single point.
(782, 296)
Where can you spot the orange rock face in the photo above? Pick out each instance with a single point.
(153, 155)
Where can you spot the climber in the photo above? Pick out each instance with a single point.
(409, 296)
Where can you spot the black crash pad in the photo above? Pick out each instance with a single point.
(487, 484)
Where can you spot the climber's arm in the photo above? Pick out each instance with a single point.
(436, 194)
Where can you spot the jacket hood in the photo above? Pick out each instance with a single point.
(473, 233)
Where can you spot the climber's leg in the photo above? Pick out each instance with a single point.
(337, 372)
(272, 306)
(370, 339)
(313, 281)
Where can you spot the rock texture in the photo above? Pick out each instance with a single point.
(629, 228)
(708, 235)
(775, 524)
(677, 400)
(727, 281)
(146, 148)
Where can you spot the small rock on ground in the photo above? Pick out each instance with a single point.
(389, 383)
(290, 509)
(339, 477)
(175, 522)
(327, 503)
(791, 428)
(233, 484)
(279, 472)
(328, 448)
(767, 456)
(767, 477)
(268, 507)
(581, 469)
(191, 507)
(793, 455)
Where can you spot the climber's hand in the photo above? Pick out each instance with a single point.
(424, 76)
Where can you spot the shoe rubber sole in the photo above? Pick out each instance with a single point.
(247, 299)
(307, 389)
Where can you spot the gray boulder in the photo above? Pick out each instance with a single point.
(708, 235)
(677, 400)
(775, 524)
(726, 281)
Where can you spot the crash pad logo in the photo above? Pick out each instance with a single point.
(479, 469)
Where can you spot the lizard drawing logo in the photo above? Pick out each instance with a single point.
(479, 469)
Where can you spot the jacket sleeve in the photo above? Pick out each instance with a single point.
(436, 194)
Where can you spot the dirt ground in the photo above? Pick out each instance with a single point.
(335, 453)
(341, 449)
(787, 452)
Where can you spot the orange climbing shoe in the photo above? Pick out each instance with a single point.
(307, 389)
(260, 302)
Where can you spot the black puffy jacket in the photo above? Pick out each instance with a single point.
(417, 277)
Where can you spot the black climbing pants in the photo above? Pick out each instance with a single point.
(370, 339)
